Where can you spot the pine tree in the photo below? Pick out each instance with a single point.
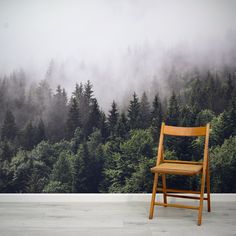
(40, 132)
(85, 97)
(28, 136)
(58, 113)
(144, 112)
(9, 129)
(187, 116)
(229, 89)
(62, 169)
(88, 92)
(173, 112)
(94, 118)
(232, 115)
(73, 120)
(156, 116)
(104, 127)
(134, 113)
(122, 128)
(81, 170)
(113, 118)
(78, 93)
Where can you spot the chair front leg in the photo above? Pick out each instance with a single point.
(154, 190)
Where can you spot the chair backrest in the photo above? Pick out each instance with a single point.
(183, 131)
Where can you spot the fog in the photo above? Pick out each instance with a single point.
(121, 46)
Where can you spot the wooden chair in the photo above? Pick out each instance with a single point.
(178, 167)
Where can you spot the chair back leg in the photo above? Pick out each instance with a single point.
(208, 189)
(164, 188)
(201, 198)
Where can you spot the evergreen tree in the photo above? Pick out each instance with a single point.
(156, 116)
(232, 115)
(73, 120)
(228, 91)
(94, 119)
(58, 113)
(88, 92)
(104, 127)
(144, 112)
(40, 132)
(173, 112)
(85, 97)
(122, 128)
(81, 170)
(113, 118)
(9, 130)
(222, 128)
(134, 113)
(187, 116)
(78, 93)
(204, 117)
(28, 137)
(62, 171)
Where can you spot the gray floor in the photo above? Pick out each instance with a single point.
(127, 218)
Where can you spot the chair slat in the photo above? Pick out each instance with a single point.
(184, 131)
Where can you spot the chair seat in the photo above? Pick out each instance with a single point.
(176, 168)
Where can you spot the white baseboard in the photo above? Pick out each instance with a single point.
(100, 197)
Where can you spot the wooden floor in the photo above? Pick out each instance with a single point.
(112, 218)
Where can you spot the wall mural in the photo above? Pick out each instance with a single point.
(84, 88)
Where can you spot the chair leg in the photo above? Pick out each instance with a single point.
(164, 188)
(208, 189)
(154, 190)
(201, 198)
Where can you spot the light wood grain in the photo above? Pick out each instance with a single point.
(126, 218)
(178, 167)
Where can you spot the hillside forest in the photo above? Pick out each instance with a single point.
(55, 142)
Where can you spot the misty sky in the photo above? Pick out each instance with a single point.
(100, 32)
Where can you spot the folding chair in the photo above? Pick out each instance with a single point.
(178, 167)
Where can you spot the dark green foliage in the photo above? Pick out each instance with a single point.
(187, 116)
(204, 117)
(32, 135)
(134, 113)
(223, 164)
(61, 173)
(113, 118)
(29, 173)
(28, 137)
(58, 116)
(81, 171)
(173, 111)
(8, 130)
(127, 160)
(104, 127)
(222, 127)
(122, 128)
(40, 134)
(88, 164)
(156, 117)
(94, 119)
(73, 120)
(145, 116)
(50, 145)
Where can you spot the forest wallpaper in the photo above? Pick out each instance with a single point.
(81, 108)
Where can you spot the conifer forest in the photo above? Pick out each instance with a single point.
(55, 141)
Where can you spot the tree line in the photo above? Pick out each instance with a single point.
(52, 143)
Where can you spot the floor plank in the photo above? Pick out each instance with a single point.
(119, 218)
